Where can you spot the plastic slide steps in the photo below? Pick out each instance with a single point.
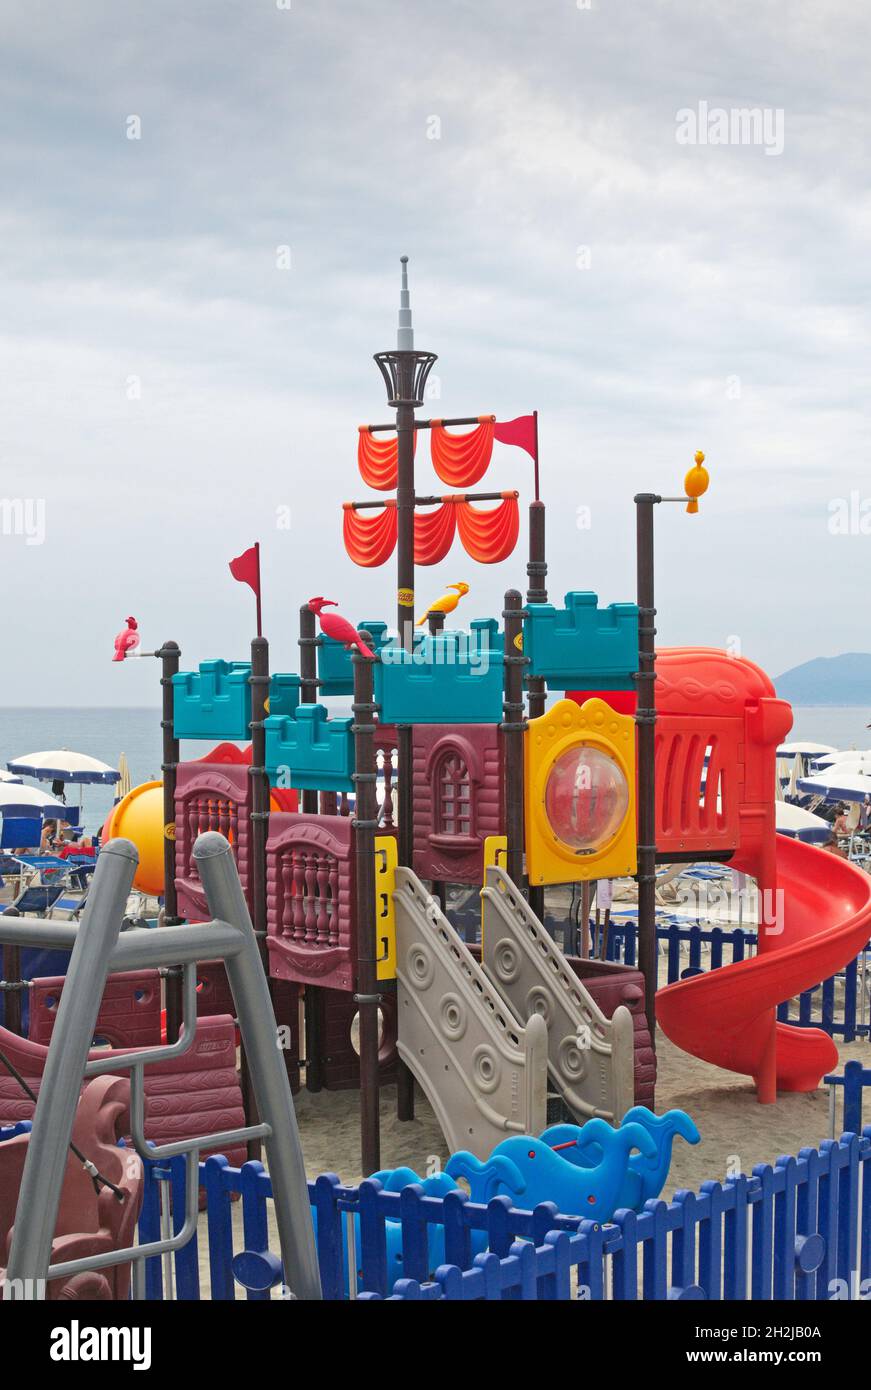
(590, 1058)
(483, 1071)
(727, 1016)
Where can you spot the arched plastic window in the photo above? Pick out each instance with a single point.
(452, 795)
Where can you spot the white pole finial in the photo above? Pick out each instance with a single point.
(405, 332)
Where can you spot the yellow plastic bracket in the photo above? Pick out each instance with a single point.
(386, 859)
(495, 853)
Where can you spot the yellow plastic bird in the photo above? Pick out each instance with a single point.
(696, 482)
(447, 603)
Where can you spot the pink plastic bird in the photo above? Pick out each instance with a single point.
(334, 625)
(127, 640)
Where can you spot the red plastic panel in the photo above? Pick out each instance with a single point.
(129, 1014)
(210, 796)
(311, 915)
(687, 817)
(458, 799)
(87, 1223)
(185, 1097)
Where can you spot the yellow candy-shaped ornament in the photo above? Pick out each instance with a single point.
(696, 482)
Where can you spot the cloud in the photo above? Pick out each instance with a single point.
(167, 388)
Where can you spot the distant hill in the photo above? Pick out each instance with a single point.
(828, 680)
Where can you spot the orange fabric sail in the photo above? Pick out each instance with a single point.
(376, 459)
(434, 534)
(369, 540)
(489, 536)
(462, 459)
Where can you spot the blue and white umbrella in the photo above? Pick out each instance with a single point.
(800, 824)
(814, 751)
(19, 800)
(857, 758)
(8, 777)
(62, 765)
(836, 784)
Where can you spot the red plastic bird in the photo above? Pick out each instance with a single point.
(127, 640)
(334, 625)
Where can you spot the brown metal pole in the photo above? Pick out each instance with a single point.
(513, 725)
(309, 642)
(12, 983)
(435, 621)
(259, 829)
(645, 720)
(405, 368)
(365, 823)
(170, 656)
(536, 571)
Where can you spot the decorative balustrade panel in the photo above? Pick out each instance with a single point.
(210, 796)
(311, 920)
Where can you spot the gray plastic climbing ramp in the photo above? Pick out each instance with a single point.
(590, 1058)
(484, 1073)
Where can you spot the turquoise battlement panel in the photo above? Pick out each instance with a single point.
(213, 702)
(283, 693)
(582, 646)
(452, 678)
(335, 668)
(310, 751)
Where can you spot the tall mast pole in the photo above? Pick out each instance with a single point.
(405, 371)
(405, 405)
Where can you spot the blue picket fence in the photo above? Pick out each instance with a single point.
(852, 1084)
(836, 1005)
(788, 1231)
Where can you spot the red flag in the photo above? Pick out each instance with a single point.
(246, 568)
(521, 432)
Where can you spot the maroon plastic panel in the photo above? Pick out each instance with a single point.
(458, 799)
(214, 995)
(285, 1002)
(87, 1223)
(210, 796)
(611, 984)
(184, 1097)
(311, 919)
(129, 1014)
(340, 1065)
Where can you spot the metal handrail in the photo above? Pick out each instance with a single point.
(98, 949)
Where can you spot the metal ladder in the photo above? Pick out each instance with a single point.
(98, 949)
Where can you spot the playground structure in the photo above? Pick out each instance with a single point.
(341, 836)
(347, 831)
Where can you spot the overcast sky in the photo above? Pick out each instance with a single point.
(167, 387)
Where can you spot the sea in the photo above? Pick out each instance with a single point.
(106, 733)
(102, 733)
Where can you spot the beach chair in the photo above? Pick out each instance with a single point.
(36, 900)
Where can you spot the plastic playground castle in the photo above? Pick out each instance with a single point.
(307, 881)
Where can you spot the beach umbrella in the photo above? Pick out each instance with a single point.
(8, 777)
(836, 785)
(62, 765)
(816, 751)
(855, 756)
(800, 824)
(19, 800)
(125, 783)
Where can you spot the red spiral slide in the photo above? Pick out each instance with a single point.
(727, 1016)
(719, 722)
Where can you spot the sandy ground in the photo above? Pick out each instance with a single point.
(736, 1131)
